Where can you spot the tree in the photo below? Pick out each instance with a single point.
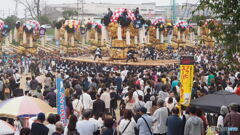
(32, 6)
(228, 11)
(69, 14)
(11, 20)
(197, 18)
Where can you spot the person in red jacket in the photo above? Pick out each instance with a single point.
(237, 91)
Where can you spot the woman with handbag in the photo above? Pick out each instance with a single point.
(7, 91)
(127, 124)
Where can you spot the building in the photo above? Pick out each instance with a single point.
(95, 11)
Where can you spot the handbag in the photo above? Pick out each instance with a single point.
(7, 91)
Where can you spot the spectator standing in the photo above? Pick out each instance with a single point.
(139, 104)
(118, 82)
(85, 100)
(127, 124)
(106, 98)
(59, 128)
(51, 98)
(160, 118)
(232, 119)
(174, 123)
(144, 123)
(137, 92)
(38, 128)
(194, 124)
(110, 130)
(71, 128)
(86, 127)
(223, 113)
(1, 89)
(51, 124)
(98, 106)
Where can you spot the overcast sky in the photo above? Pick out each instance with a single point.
(8, 6)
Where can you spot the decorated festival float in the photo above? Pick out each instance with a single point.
(66, 32)
(27, 34)
(159, 33)
(206, 30)
(125, 31)
(94, 33)
(97, 37)
(5, 38)
(183, 34)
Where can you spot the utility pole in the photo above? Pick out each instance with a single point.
(82, 12)
(45, 10)
(16, 8)
(78, 1)
(3, 13)
(174, 11)
(25, 14)
(9, 12)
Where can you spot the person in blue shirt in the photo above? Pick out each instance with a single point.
(144, 123)
(174, 82)
(174, 123)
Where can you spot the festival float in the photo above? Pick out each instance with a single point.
(207, 29)
(66, 32)
(4, 29)
(159, 24)
(94, 33)
(158, 33)
(26, 35)
(123, 31)
(181, 31)
(96, 37)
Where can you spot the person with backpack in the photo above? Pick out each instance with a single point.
(144, 123)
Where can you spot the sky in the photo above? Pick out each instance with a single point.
(8, 6)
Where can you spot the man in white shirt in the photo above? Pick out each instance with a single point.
(106, 98)
(17, 77)
(76, 106)
(171, 94)
(85, 126)
(141, 82)
(137, 93)
(85, 100)
(139, 104)
(124, 74)
(229, 88)
(160, 118)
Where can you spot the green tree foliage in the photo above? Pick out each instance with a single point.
(69, 14)
(11, 20)
(228, 11)
(197, 18)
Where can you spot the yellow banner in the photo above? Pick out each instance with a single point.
(186, 79)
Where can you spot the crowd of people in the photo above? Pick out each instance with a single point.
(103, 99)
